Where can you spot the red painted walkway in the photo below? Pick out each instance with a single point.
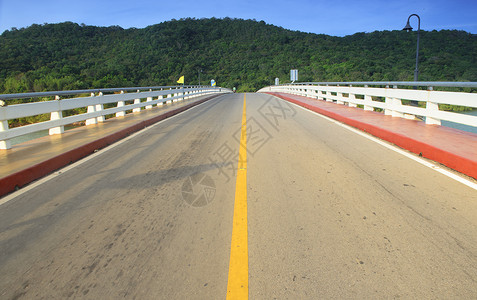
(453, 148)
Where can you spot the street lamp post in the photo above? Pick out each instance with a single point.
(409, 28)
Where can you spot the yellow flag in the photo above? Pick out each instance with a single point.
(181, 80)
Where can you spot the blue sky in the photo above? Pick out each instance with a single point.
(338, 17)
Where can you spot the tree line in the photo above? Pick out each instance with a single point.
(245, 54)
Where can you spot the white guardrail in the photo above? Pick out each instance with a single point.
(388, 96)
(96, 112)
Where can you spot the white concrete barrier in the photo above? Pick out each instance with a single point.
(389, 98)
(94, 103)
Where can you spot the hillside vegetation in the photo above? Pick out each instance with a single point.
(243, 53)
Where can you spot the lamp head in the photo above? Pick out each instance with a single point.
(407, 27)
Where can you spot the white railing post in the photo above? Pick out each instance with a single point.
(328, 94)
(169, 96)
(56, 115)
(313, 94)
(5, 144)
(352, 98)
(340, 98)
(389, 104)
(160, 98)
(149, 99)
(121, 104)
(91, 109)
(176, 93)
(397, 106)
(137, 101)
(100, 107)
(431, 107)
(318, 93)
(310, 92)
(369, 100)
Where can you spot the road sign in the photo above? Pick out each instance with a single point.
(293, 75)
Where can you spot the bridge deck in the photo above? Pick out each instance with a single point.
(330, 214)
(454, 148)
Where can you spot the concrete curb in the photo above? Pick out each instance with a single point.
(19, 179)
(459, 163)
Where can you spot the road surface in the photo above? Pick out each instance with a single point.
(330, 214)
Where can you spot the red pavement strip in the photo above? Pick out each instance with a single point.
(453, 148)
(17, 180)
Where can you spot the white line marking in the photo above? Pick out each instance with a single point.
(395, 148)
(57, 173)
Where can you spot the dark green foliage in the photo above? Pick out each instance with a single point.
(243, 53)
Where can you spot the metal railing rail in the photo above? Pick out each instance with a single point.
(386, 96)
(462, 84)
(78, 92)
(96, 111)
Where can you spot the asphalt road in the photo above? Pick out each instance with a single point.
(331, 215)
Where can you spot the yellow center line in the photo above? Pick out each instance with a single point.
(237, 287)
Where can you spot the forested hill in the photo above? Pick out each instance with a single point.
(242, 53)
